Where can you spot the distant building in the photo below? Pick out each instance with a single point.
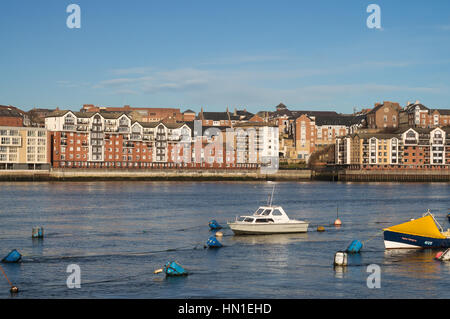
(310, 131)
(11, 116)
(418, 115)
(385, 115)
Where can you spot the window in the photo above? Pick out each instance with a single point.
(263, 220)
(276, 212)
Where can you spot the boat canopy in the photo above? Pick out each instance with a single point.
(424, 226)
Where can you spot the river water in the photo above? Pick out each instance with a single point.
(118, 233)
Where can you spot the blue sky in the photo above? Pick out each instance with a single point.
(316, 55)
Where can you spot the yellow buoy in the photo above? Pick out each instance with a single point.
(157, 271)
(320, 229)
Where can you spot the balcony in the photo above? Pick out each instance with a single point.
(69, 127)
(136, 137)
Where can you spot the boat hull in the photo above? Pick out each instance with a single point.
(264, 229)
(396, 240)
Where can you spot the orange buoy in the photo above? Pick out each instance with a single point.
(438, 255)
(337, 222)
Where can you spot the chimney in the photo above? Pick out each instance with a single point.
(417, 102)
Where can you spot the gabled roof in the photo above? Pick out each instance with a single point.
(59, 113)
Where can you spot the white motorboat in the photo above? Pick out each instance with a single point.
(267, 220)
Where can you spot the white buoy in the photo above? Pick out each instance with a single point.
(444, 256)
(219, 234)
(340, 258)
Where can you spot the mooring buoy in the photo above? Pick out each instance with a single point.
(340, 258)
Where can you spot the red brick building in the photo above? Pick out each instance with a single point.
(10, 116)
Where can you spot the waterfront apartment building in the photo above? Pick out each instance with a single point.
(111, 139)
(24, 148)
(115, 140)
(256, 142)
(416, 148)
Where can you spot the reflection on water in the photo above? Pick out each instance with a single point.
(419, 263)
(274, 239)
(120, 232)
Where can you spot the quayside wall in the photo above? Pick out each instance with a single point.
(151, 174)
(226, 175)
(394, 175)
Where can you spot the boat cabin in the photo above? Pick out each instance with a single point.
(266, 214)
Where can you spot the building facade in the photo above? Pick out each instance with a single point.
(24, 148)
(114, 140)
(414, 148)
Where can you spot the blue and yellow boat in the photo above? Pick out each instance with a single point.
(424, 232)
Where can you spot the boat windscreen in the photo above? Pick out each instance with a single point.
(248, 220)
(266, 212)
(259, 211)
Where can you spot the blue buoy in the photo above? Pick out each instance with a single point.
(173, 269)
(213, 242)
(354, 247)
(214, 225)
(13, 257)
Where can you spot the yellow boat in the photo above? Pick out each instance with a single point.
(424, 232)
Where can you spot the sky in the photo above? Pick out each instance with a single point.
(309, 55)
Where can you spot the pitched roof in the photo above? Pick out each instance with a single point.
(6, 111)
(214, 116)
(442, 111)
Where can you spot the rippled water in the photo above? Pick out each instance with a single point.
(120, 232)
